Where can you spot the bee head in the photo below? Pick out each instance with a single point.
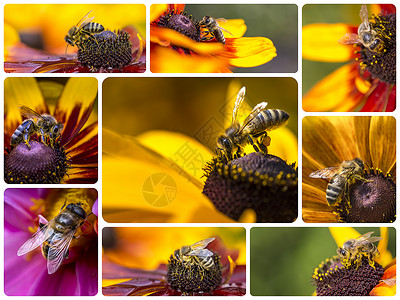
(225, 143)
(205, 21)
(77, 209)
(69, 37)
(342, 253)
(56, 130)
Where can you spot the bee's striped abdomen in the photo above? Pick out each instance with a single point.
(334, 189)
(93, 27)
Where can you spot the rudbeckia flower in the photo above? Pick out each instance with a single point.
(374, 273)
(368, 81)
(28, 275)
(164, 169)
(180, 43)
(329, 141)
(50, 131)
(39, 44)
(154, 267)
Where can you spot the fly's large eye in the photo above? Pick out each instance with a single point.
(79, 211)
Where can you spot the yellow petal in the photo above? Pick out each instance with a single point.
(236, 28)
(342, 234)
(283, 144)
(320, 42)
(249, 51)
(79, 91)
(187, 153)
(383, 142)
(336, 92)
(385, 256)
(165, 60)
(17, 92)
(156, 10)
(11, 38)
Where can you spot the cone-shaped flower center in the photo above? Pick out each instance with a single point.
(261, 182)
(182, 22)
(194, 275)
(38, 164)
(333, 279)
(107, 49)
(382, 64)
(371, 201)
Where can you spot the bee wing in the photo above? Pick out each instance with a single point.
(364, 16)
(238, 103)
(220, 20)
(256, 110)
(30, 113)
(202, 244)
(227, 31)
(85, 19)
(37, 239)
(58, 251)
(201, 253)
(349, 38)
(325, 173)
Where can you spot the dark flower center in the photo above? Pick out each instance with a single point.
(39, 164)
(333, 279)
(382, 64)
(261, 182)
(107, 50)
(371, 201)
(191, 276)
(182, 22)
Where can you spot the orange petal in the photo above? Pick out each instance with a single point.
(387, 286)
(320, 42)
(169, 61)
(248, 51)
(336, 92)
(166, 37)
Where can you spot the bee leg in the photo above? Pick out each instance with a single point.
(26, 139)
(252, 143)
(358, 177)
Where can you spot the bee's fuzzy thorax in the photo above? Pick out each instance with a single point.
(261, 182)
(191, 278)
(107, 50)
(333, 279)
(39, 164)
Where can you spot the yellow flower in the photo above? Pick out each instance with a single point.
(179, 43)
(40, 157)
(163, 169)
(327, 142)
(368, 81)
(44, 27)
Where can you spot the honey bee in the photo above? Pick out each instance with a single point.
(255, 126)
(46, 126)
(82, 31)
(213, 29)
(56, 236)
(196, 253)
(340, 176)
(354, 250)
(366, 35)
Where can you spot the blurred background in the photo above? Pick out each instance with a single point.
(274, 21)
(282, 260)
(44, 26)
(314, 71)
(147, 248)
(189, 105)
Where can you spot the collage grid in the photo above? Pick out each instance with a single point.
(287, 243)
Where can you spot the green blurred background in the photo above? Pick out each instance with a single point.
(282, 260)
(326, 13)
(187, 105)
(278, 22)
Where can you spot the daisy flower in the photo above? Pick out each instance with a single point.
(329, 141)
(27, 275)
(368, 81)
(180, 43)
(145, 271)
(167, 166)
(39, 44)
(68, 152)
(374, 273)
